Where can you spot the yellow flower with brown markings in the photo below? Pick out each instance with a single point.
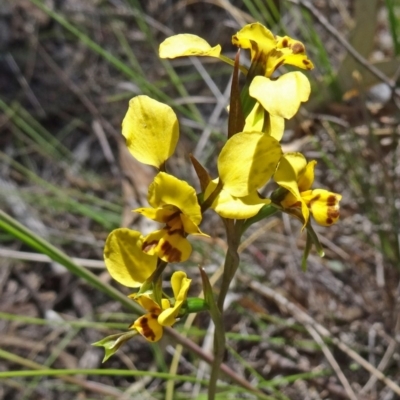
(280, 97)
(297, 176)
(174, 203)
(268, 52)
(151, 324)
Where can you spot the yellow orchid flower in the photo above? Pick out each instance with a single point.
(150, 325)
(280, 97)
(268, 52)
(125, 260)
(175, 204)
(151, 130)
(297, 176)
(246, 163)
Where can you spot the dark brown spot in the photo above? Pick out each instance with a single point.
(154, 316)
(331, 201)
(284, 42)
(329, 221)
(147, 246)
(333, 213)
(298, 48)
(172, 253)
(306, 62)
(147, 332)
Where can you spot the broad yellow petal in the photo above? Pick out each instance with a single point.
(125, 260)
(151, 130)
(168, 190)
(228, 206)
(281, 97)
(187, 45)
(247, 162)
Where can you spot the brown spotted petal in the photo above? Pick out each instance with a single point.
(147, 325)
(288, 51)
(170, 246)
(324, 205)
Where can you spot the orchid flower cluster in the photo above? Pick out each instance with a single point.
(251, 157)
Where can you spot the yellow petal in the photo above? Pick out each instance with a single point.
(148, 327)
(324, 205)
(290, 168)
(281, 97)
(231, 207)
(180, 286)
(259, 121)
(150, 242)
(148, 304)
(168, 190)
(307, 177)
(247, 162)
(151, 130)
(288, 51)
(189, 227)
(257, 38)
(162, 214)
(165, 304)
(125, 260)
(187, 45)
(169, 246)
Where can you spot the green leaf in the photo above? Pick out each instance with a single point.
(112, 343)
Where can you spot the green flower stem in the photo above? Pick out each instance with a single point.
(230, 267)
(233, 232)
